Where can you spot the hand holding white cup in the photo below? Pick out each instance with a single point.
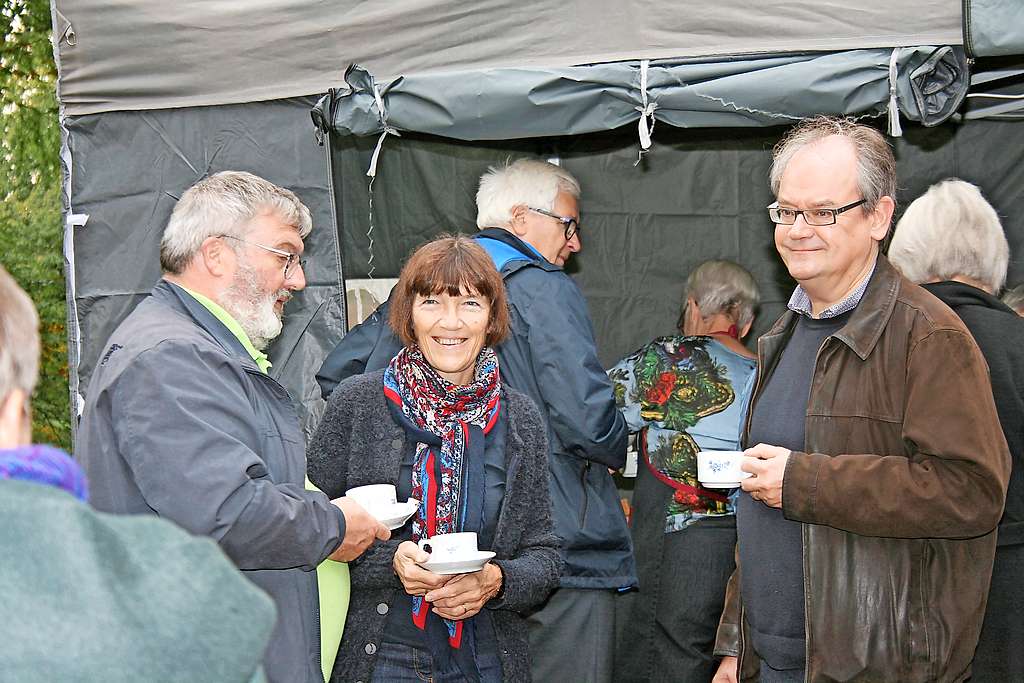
(720, 469)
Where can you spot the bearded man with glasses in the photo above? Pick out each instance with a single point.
(866, 533)
(182, 420)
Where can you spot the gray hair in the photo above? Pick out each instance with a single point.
(876, 165)
(722, 287)
(1014, 298)
(224, 204)
(951, 231)
(524, 181)
(19, 338)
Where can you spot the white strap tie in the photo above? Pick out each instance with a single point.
(894, 109)
(388, 130)
(646, 109)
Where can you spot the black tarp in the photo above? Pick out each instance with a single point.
(128, 170)
(698, 194)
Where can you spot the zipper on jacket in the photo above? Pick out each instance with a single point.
(316, 638)
(586, 498)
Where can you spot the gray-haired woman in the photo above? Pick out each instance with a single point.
(951, 242)
(685, 393)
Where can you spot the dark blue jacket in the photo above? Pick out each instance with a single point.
(551, 357)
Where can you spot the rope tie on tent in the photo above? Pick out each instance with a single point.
(646, 109)
(372, 173)
(894, 109)
(388, 130)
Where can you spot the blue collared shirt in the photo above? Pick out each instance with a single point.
(800, 302)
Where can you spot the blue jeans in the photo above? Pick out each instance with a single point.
(405, 664)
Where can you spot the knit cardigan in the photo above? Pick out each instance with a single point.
(359, 443)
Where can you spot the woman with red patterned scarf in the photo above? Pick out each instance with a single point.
(439, 425)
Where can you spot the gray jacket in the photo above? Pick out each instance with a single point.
(551, 357)
(179, 422)
(358, 443)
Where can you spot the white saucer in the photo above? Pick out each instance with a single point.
(720, 484)
(395, 516)
(465, 565)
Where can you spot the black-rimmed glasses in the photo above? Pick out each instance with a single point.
(572, 226)
(781, 215)
(291, 259)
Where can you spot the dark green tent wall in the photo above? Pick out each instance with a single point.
(697, 194)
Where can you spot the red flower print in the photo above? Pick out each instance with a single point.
(660, 392)
(688, 498)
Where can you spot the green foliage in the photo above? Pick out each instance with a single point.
(30, 214)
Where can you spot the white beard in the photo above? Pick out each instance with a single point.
(253, 307)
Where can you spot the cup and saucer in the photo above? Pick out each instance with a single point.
(453, 554)
(720, 469)
(380, 500)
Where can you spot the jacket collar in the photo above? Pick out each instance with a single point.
(529, 255)
(956, 294)
(868, 320)
(178, 299)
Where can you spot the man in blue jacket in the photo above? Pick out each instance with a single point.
(183, 421)
(528, 215)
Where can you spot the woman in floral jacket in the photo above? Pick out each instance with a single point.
(684, 394)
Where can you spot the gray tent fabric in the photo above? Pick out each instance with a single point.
(993, 28)
(154, 95)
(501, 104)
(698, 194)
(128, 170)
(154, 54)
(996, 92)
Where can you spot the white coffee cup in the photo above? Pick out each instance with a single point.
(374, 496)
(449, 547)
(720, 469)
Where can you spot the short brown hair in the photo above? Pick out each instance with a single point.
(452, 264)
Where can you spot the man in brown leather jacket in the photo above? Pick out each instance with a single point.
(866, 533)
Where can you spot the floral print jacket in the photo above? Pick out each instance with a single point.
(684, 395)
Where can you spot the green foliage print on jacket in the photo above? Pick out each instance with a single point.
(665, 389)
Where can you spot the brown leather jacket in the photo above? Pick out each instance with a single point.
(899, 493)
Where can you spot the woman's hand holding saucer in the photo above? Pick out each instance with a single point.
(466, 594)
(415, 579)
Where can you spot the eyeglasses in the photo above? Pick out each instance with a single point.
(572, 226)
(290, 259)
(820, 216)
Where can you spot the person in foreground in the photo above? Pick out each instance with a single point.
(439, 424)
(950, 241)
(866, 534)
(182, 420)
(96, 597)
(685, 393)
(529, 219)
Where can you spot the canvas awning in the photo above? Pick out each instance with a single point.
(153, 54)
(927, 83)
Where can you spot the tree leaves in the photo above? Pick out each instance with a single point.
(31, 229)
